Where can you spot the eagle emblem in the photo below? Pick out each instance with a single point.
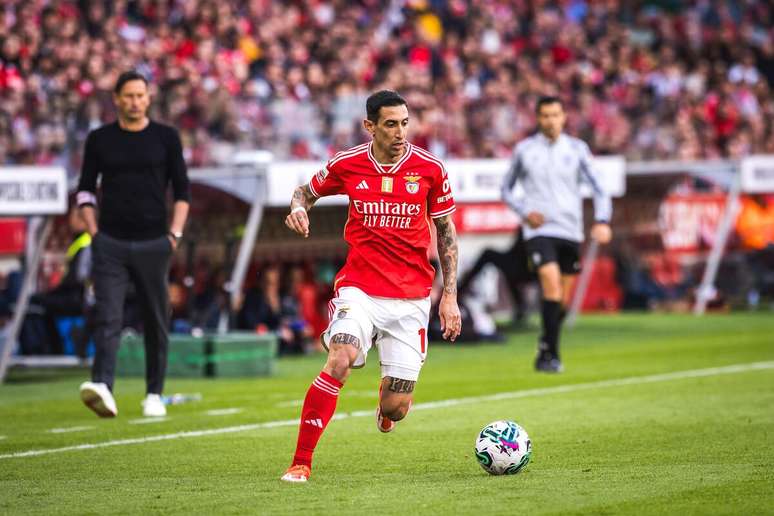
(412, 183)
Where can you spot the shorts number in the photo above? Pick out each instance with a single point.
(422, 340)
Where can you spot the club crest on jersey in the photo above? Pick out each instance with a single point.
(387, 184)
(412, 183)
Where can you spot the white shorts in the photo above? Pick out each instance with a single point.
(398, 328)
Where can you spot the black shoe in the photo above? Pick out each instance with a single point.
(548, 364)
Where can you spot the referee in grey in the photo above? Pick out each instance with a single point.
(550, 167)
(136, 160)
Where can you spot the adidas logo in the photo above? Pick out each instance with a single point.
(362, 185)
(314, 422)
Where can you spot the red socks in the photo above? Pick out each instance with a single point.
(319, 406)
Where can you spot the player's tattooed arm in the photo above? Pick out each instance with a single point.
(303, 197)
(448, 310)
(298, 220)
(400, 386)
(447, 252)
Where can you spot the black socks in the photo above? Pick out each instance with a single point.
(552, 319)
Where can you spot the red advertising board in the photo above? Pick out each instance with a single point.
(485, 217)
(689, 222)
(12, 233)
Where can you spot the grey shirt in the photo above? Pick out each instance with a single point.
(550, 175)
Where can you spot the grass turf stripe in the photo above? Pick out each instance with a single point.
(559, 389)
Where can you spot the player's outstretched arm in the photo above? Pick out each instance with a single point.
(449, 312)
(298, 219)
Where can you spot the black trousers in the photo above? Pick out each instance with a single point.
(146, 264)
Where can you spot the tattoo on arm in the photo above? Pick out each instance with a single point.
(345, 338)
(400, 386)
(302, 196)
(447, 252)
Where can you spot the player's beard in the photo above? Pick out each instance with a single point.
(397, 151)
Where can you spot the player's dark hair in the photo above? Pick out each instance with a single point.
(546, 100)
(380, 99)
(125, 77)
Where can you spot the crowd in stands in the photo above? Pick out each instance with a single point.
(648, 79)
(675, 79)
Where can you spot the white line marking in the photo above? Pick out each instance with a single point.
(70, 429)
(634, 380)
(224, 411)
(148, 420)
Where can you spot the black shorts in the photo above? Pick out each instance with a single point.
(543, 250)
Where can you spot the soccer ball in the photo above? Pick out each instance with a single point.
(503, 448)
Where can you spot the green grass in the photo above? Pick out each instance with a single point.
(700, 445)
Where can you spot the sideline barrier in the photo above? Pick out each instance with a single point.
(230, 355)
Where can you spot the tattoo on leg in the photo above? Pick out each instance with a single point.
(401, 386)
(345, 338)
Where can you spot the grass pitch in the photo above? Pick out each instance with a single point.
(682, 434)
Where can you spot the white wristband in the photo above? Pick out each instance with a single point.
(297, 208)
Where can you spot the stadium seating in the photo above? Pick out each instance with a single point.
(687, 80)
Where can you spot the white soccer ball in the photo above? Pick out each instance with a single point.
(503, 448)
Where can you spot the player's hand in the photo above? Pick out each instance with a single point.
(173, 243)
(451, 320)
(535, 219)
(601, 232)
(298, 221)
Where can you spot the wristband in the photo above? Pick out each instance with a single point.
(297, 208)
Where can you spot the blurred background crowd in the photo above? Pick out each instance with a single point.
(656, 79)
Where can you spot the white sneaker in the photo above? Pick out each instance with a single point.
(153, 406)
(98, 398)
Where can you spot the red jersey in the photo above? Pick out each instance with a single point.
(390, 207)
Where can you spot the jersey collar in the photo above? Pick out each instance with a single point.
(396, 166)
(545, 141)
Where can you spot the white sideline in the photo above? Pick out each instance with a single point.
(634, 380)
(148, 420)
(69, 429)
(224, 411)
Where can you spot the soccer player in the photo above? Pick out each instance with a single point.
(382, 292)
(550, 166)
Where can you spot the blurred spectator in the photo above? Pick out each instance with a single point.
(514, 267)
(655, 282)
(310, 299)
(178, 304)
(265, 309)
(478, 325)
(285, 76)
(72, 297)
(671, 282)
(210, 302)
(755, 228)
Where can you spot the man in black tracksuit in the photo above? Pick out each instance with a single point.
(136, 159)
